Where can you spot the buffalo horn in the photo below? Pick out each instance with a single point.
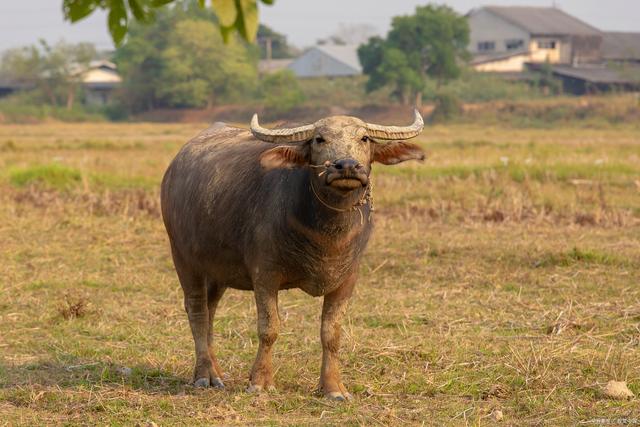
(397, 132)
(298, 134)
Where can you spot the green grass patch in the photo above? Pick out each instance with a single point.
(565, 172)
(61, 177)
(433, 172)
(612, 172)
(51, 175)
(576, 255)
(378, 322)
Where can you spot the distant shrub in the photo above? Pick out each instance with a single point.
(344, 92)
(116, 112)
(76, 114)
(553, 111)
(281, 92)
(475, 86)
(26, 108)
(448, 107)
(546, 82)
(13, 112)
(51, 175)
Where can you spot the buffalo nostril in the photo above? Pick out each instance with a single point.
(359, 166)
(346, 164)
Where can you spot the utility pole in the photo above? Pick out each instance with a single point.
(268, 49)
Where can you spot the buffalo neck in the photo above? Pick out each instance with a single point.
(324, 211)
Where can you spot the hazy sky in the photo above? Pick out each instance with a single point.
(303, 21)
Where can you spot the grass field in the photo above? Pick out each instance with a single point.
(503, 275)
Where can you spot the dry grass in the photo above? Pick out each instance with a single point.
(503, 276)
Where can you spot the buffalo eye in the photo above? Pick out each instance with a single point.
(319, 139)
(365, 139)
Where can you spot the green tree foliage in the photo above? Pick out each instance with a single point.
(179, 60)
(239, 16)
(199, 69)
(279, 47)
(55, 71)
(431, 43)
(281, 93)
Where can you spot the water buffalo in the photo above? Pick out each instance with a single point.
(272, 209)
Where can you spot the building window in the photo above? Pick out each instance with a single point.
(514, 44)
(486, 46)
(547, 44)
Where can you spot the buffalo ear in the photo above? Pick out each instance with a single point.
(284, 157)
(394, 152)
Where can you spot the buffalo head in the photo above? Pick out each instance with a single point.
(343, 147)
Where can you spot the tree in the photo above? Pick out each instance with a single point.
(55, 70)
(273, 43)
(179, 61)
(387, 65)
(431, 43)
(281, 93)
(239, 16)
(199, 68)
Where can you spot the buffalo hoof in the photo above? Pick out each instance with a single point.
(337, 396)
(205, 382)
(254, 388)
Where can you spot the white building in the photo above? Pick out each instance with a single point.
(503, 39)
(327, 61)
(99, 82)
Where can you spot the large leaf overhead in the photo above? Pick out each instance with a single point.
(117, 21)
(248, 11)
(75, 10)
(234, 15)
(226, 10)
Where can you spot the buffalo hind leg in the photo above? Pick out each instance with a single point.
(214, 294)
(261, 377)
(333, 309)
(196, 305)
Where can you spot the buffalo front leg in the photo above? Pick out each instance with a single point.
(333, 309)
(261, 377)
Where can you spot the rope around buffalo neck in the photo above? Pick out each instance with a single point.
(367, 197)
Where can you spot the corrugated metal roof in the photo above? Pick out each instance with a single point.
(327, 61)
(621, 46)
(347, 54)
(543, 20)
(598, 74)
